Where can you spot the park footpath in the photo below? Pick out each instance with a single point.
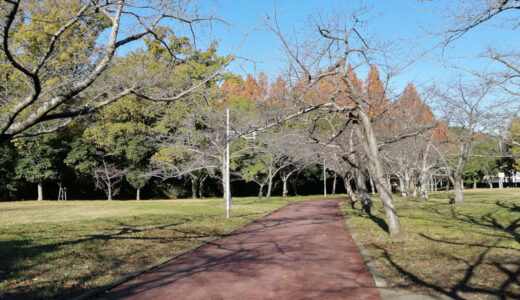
(301, 251)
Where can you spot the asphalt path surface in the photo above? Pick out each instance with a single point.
(302, 251)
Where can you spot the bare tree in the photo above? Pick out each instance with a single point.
(107, 177)
(287, 151)
(325, 55)
(339, 46)
(400, 159)
(191, 149)
(468, 111)
(198, 143)
(299, 152)
(346, 171)
(465, 16)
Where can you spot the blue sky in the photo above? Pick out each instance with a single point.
(405, 22)
(397, 20)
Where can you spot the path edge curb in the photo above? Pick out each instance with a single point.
(376, 275)
(92, 293)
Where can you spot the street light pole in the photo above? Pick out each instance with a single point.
(324, 180)
(227, 181)
(228, 189)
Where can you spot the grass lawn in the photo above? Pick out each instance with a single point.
(469, 251)
(50, 249)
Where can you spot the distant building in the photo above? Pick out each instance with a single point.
(504, 178)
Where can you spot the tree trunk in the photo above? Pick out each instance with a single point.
(261, 192)
(414, 182)
(333, 192)
(403, 190)
(367, 137)
(458, 186)
(372, 189)
(193, 187)
(285, 191)
(407, 184)
(40, 191)
(269, 184)
(500, 183)
(474, 183)
(223, 171)
(369, 142)
(394, 226)
(201, 186)
(269, 189)
(366, 202)
(348, 188)
(423, 180)
(109, 188)
(108, 181)
(447, 185)
(138, 194)
(224, 189)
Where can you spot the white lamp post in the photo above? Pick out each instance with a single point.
(227, 192)
(324, 181)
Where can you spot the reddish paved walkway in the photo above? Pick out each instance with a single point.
(302, 251)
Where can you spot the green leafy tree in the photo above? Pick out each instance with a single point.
(483, 162)
(514, 141)
(7, 170)
(57, 55)
(114, 146)
(39, 159)
(122, 133)
(255, 169)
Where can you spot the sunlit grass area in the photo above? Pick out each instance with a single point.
(50, 249)
(469, 251)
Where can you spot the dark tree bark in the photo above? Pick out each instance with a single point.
(366, 202)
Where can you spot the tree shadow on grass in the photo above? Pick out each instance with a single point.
(511, 206)
(505, 265)
(488, 220)
(379, 221)
(20, 257)
(464, 285)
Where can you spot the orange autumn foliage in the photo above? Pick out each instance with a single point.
(375, 93)
(278, 92)
(232, 88)
(334, 88)
(358, 83)
(262, 86)
(236, 87)
(411, 106)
